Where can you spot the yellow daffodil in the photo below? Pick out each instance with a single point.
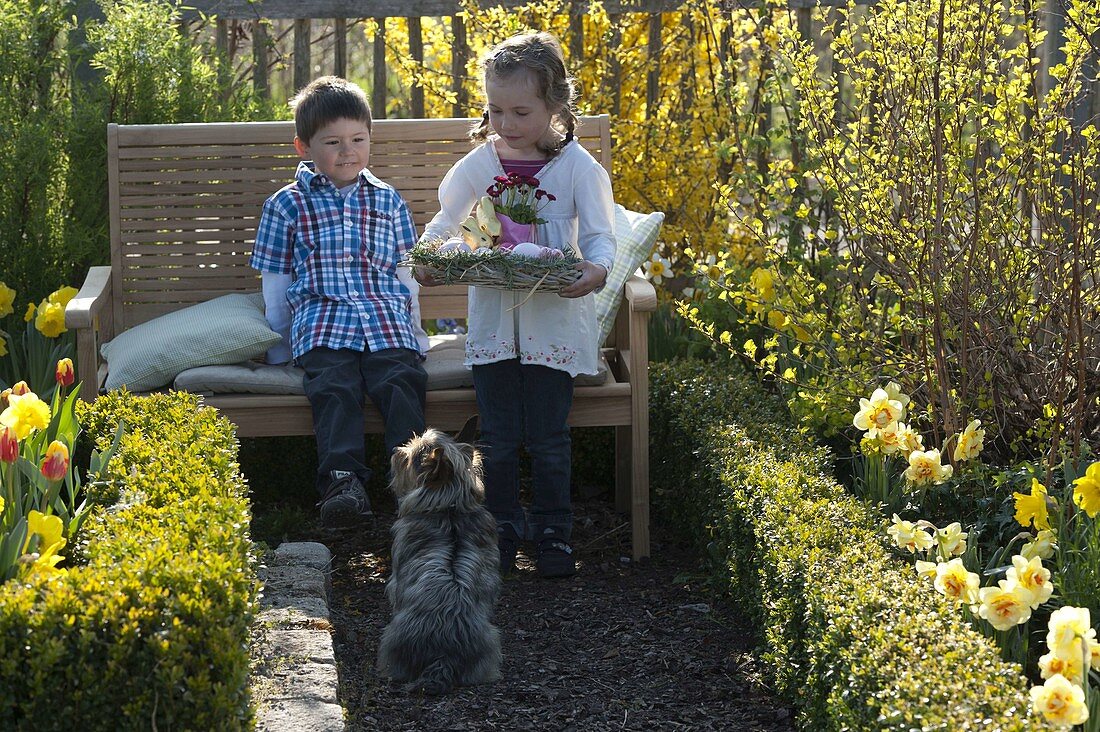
(1004, 606)
(25, 412)
(926, 569)
(1068, 664)
(888, 438)
(876, 413)
(3, 346)
(1031, 575)
(951, 540)
(925, 468)
(1094, 653)
(893, 390)
(44, 563)
(909, 439)
(907, 536)
(956, 583)
(1067, 625)
(1086, 491)
(1, 505)
(1032, 509)
(50, 320)
(28, 316)
(62, 296)
(1060, 701)
(1041, 546)
(55, 465)
(49, 529)
(7, 298)
(970, 441)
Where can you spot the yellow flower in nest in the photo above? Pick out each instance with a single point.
(1086, 490)
(1060, 701)
(50, 320)
(1032, 509)
(7, 297)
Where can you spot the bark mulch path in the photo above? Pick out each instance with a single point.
(621, 646)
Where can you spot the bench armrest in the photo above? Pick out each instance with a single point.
(89, 314)
(640, 294)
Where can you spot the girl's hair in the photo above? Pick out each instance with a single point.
(540, 56)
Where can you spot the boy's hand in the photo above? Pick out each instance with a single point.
(592, 276)
(420, 274)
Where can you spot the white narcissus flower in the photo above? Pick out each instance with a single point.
(1031, 575)
(909, 439)
(970, 441)
(876, 413)
(656, 268)
(1004, 606)
(907, 536)
(926, 569)
(925, 468)
(1068, 664)
(893, 390)
(1066, 626)
(955, 582)
(1041, 546)
(1060, 701)
(952, 540)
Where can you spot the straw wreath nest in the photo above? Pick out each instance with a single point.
(492, 267)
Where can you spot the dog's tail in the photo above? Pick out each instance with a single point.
(438, 677)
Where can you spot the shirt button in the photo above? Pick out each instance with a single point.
(354, 293)
(351, 257)
(348, 223)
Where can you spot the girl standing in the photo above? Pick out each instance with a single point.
(525, 354)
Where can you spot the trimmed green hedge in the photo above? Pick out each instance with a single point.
(150, 629)
(851, 636)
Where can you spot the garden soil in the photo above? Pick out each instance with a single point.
(621, 646)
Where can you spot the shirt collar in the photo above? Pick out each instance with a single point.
(308, 176)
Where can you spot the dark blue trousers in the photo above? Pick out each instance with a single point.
(526, 404)
(336, 384)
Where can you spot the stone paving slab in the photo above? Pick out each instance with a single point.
(294, 679)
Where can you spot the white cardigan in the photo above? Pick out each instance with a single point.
(547, 329)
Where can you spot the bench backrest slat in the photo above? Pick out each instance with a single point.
(186, 199)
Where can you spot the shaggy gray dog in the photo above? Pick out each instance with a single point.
(445, 570)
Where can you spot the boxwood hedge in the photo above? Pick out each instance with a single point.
(149, 628)
(850, 635)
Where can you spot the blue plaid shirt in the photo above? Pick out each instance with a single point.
(343, 253)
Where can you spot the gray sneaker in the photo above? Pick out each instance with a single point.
(345, 503)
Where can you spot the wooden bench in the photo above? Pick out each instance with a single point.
(184, 204)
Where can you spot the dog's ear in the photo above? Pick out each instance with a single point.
(468, 433)
(437, 468)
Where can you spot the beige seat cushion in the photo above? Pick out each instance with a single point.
(444, 366)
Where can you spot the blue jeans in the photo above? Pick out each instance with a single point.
(525, 404)
(336, 384)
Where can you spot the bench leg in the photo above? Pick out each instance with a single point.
(639, 509)
(623, 468)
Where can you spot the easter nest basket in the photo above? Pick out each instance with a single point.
(493, 267)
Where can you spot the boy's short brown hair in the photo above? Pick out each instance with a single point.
(327, 99)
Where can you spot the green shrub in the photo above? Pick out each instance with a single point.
(851, 636)
(150, 630)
